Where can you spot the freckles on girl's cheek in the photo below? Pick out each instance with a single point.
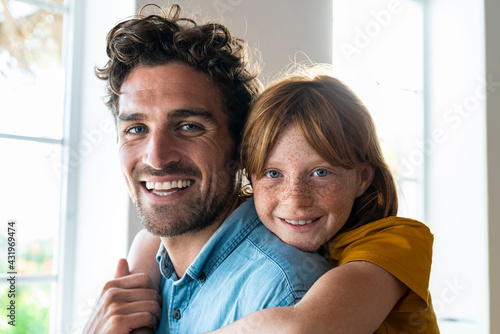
(265, 190)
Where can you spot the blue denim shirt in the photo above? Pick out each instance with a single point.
(242, 268)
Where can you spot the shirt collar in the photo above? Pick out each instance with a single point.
(227, 237)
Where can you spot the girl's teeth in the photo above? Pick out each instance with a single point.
(299, 222)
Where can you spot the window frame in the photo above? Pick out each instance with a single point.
(61, 309)
(73, 33)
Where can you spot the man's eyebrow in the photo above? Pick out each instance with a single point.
(182, 113)
(178, 113)
(134, 117)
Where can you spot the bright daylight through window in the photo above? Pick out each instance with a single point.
(32, 81)
(378, 52)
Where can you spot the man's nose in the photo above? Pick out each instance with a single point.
(162, 149)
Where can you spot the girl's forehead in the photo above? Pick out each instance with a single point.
(290, 144)
(293, 141)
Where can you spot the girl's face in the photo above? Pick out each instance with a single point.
(300, 197)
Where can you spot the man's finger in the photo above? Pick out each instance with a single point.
(139, 307)
(127, 323)
(117, 295)
(132, 281)
(122, 269)
(143, 330)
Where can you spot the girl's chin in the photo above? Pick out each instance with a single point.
(302, 241)
(305, 246)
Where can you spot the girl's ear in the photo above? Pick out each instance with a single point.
(366, 172)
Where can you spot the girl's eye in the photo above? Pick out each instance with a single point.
(273, 174)
(321, 172)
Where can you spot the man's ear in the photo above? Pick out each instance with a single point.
(246, 185)
(366, 171)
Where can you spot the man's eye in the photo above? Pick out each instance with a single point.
(321, 172)
(190, 127)
(136, 129)
(273, 174)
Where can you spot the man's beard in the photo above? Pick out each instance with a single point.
(169, 220)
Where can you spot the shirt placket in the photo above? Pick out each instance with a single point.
(178, 306)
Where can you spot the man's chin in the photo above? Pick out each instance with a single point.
(167, 220)
(173, 224)
(164, 227)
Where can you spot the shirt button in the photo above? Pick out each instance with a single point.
(176, 314)
(202, 277)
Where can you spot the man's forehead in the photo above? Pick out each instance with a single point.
(169, 78)
(169, 87)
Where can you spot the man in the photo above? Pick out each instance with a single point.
(180, 94)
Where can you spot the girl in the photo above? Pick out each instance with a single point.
(320, 183)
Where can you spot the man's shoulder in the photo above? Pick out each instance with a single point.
(283, 255)
(260, 242)
(244, 252)
(275, 260)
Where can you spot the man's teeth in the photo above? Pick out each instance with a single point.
(168, 185)
(299, 222)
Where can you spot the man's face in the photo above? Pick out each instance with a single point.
(174, 147)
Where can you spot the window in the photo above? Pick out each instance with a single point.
(32, 141)
(378, 52)
(430, 119)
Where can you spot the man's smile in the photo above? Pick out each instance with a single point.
(158, 188)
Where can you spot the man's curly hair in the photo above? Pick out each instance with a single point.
(210, 48)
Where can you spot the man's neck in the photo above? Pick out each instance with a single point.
(183, 249)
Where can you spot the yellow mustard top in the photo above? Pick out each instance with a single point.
(403, 247)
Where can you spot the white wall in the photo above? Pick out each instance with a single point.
(98, 228)
(279, 29)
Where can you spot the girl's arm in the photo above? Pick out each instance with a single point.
(142, 259)
(142, 256)
(353, 298)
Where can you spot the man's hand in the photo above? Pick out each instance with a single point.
(127, 302)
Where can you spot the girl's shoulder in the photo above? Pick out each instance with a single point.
(384, 230)
(402, 246)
